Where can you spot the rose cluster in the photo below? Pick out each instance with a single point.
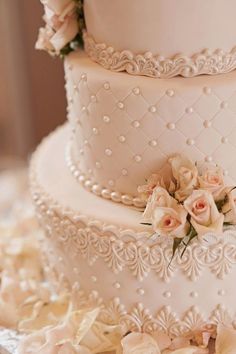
(195, 201)
(61, 25)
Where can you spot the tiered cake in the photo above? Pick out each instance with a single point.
(122, 128)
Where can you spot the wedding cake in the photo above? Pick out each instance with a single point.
(135, 191)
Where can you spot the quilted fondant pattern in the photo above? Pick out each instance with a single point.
(125, 127)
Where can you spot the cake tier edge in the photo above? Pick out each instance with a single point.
(102, 247)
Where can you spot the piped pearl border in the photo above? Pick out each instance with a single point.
(97, 188)
(206, 62)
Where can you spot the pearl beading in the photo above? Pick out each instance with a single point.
(95, 187)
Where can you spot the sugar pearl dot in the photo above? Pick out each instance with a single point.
(124, 172)
(106, 86)
(121, 138)
(208, 159)
(137, 158)
(171, 126)
(98, 164)
(140, 291)
(93, 98)
(221, 292)
(76, 173)
(193, 294)
(111, 183)
(136, 124)
(83, 109)
(86, 142)
(94, 279)
(116, 285)
(224, 140)
(81, 151)
(190, 142)
(207, 124)
(152, 109)
(136, 90)
(108, 152)
(170, 93)
(207, 90)
(226, 172)
(95, 131)
(224, 105)
(189, 110)
(153, 143)
(106, 119)
(120, 105)
(83, 76)
(167, 294)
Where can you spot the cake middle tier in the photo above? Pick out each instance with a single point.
(125, 127)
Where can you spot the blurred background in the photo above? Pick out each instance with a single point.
(32, 98)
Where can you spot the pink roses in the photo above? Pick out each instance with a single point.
(196, 203)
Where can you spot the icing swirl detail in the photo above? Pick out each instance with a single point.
(147, 64)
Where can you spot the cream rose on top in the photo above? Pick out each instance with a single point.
(61, 25)
(205, 216)
(139, 343)
(186, 176)
(212, 179)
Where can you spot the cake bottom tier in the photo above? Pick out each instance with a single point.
(102, 246)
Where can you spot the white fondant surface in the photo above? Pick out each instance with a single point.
(87, 243)
(125, 127)
(54, 175)
(164, 27)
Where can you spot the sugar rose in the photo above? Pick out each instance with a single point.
(139, 343)
(170, 221)
(186, 176)
(159, 198)
(205, 216)
(212, 179)
(152, 182)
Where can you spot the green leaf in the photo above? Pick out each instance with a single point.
(191, 235)
(226, 223)
(221, 203)
(176, 243)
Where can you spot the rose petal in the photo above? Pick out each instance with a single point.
(140, 343)
(162, 339)
(225, 340)
(189, 350)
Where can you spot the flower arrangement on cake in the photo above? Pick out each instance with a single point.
(64, 25)
(193, 202)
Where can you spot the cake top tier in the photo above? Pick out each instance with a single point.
(194, 33)
(157, 38)
(164, 27)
